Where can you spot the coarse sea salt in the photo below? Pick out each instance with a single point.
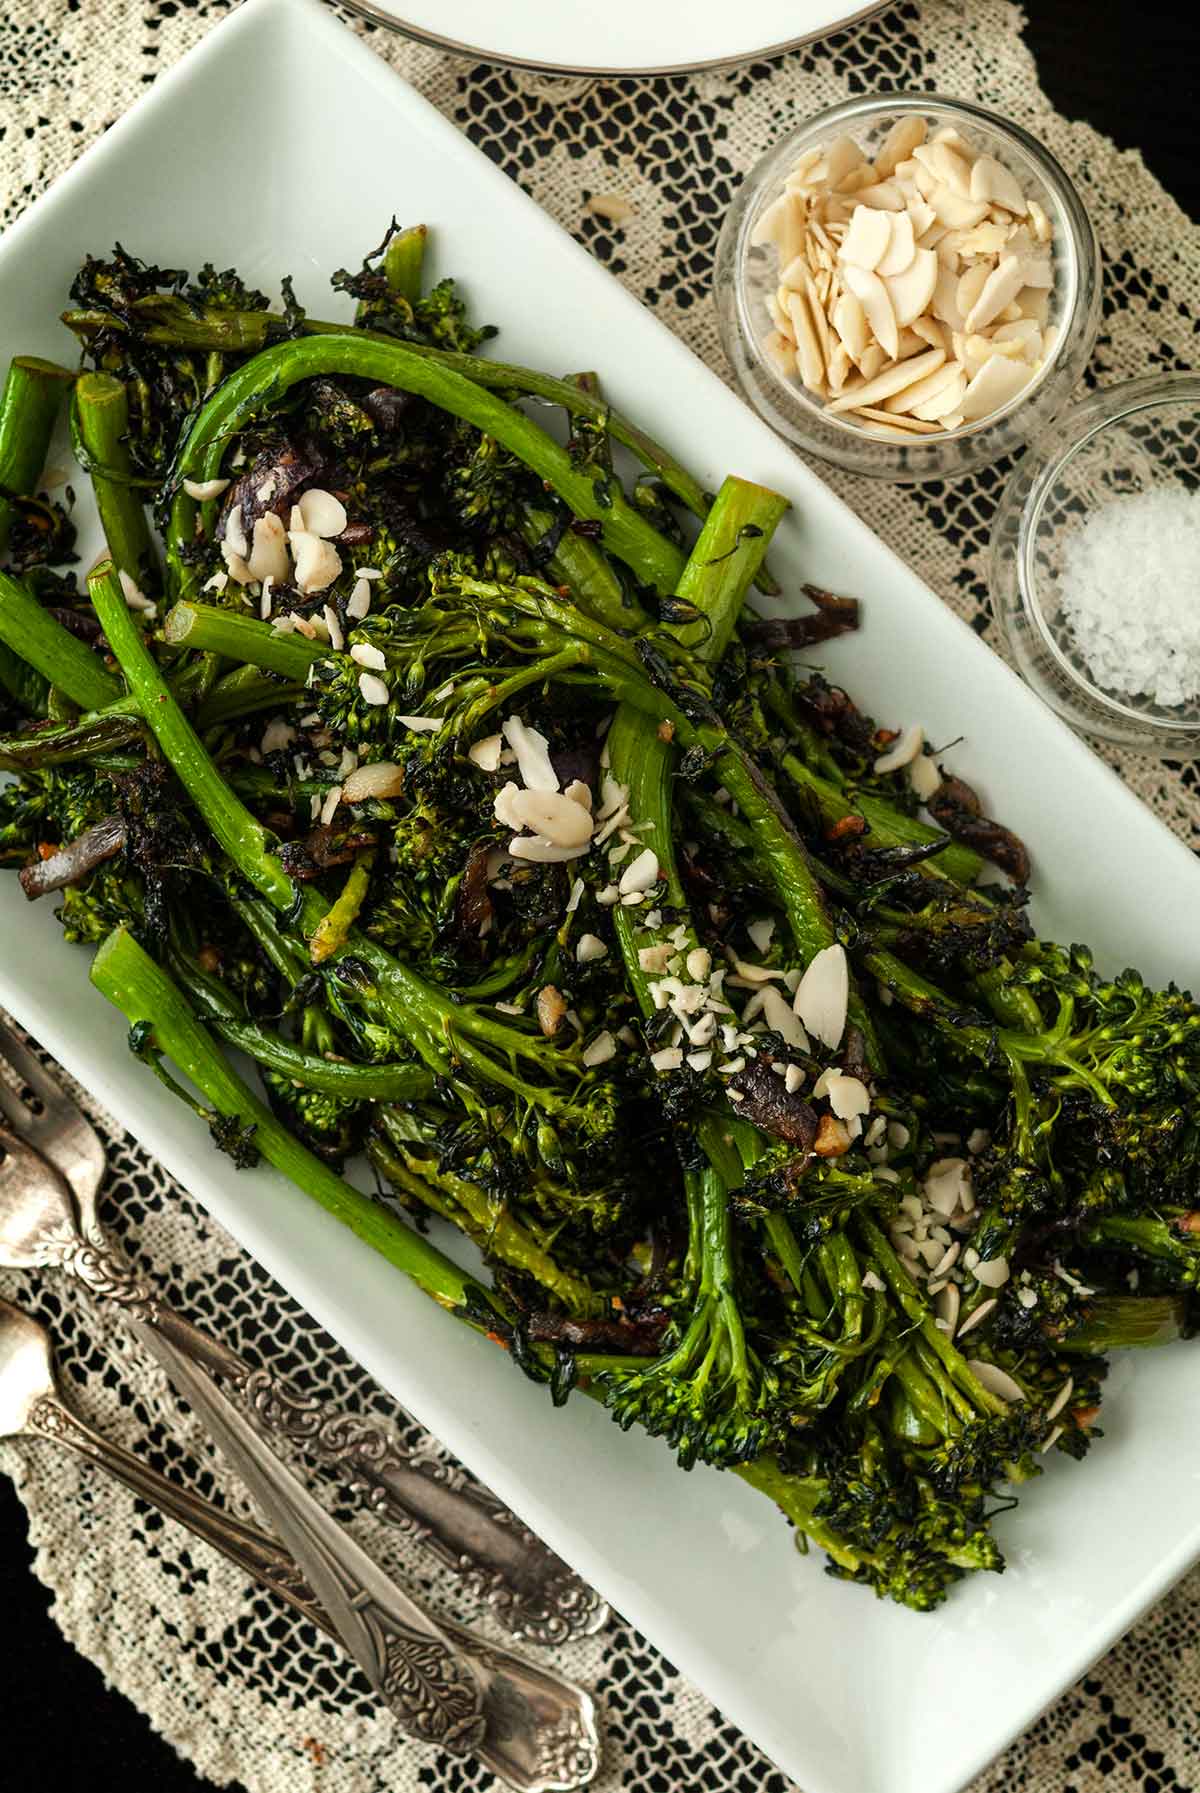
(1128, 590)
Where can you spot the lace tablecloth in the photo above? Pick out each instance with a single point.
(235, 1683)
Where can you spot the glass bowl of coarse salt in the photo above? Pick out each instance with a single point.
(1096, 564)
(908, 286)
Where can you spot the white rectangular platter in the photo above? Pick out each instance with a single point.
(282, 144)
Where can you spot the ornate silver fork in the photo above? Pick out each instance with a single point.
(532, 1592)
(446, 1685)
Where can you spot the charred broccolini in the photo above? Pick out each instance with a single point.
(446, 772)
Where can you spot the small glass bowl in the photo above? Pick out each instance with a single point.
(745, 275)
(1140, 436)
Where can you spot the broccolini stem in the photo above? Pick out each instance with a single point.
(102, 422)
(68, 663)
(483, 1218)
(245, 840)
(234, 636)
(721, 567)
(30, 399)
(330, 932)
(243, 692)
(331, 1077)
(63, 746)
(144, 992)
(889, 827)
(265, 380)
(1124, 1322)
(1168, 1238)
(583, 566)
(404, 262)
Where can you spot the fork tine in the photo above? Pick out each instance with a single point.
(31, 1073)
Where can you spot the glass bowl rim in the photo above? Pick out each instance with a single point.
(1091, 417)
(1080, 251)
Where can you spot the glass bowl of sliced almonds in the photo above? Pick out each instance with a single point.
(908, 287)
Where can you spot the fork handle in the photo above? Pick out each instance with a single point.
(261, 1557)
(529, 1589)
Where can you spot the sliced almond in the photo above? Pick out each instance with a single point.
(782, 353)
(777, 309)
(904, 426)
(885, 196)
(991, 181)
(986, 239)
(901, 248)
(837, 371)
(1037, 271)
(998, 382)
(947, 253)
(868, 239)
(946, 165)
(850, 321)
(946, 402)
(930, 331)
(770, 226)
(933, 234)
(923, 218)
(970, 285)
(1035, 303)
(862, 176)
(899, 144)
(1039, 220)
(999, 289)
(1049, 339)
(891, 380)
(950, 134)
(871, 360)
(944, 302)
(922, 391)
(952, 209)
(1025, 333)
(793, 275)
(918, 179)
(909, 293)
(842, 155)
(820, 321)
(871, 293)
(809, 359)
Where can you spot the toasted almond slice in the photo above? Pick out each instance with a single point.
(862, 176)
(1035, 303)
(986, 239)
(998, 290)
(952, 209)
(820, 322)
(842, 155)
(1039, 220)
(944, 303)
(884, 196)
(910, 344)
(930, 331)
(892, 379)
(850, 321)
(1037, 271)
(898, 256)
(899, 144)
(998, 381)
(809, 358)
(868, 238)
(948, 134)
(911, 291)
(970, 285)
(838, 368)
(946, 402)
(899, 422)
(871, 360)
(908, 401)
(779, 316)
(873, 296)
(769, 227)
(1027, 336)
(921, 213)
(991, 180)
(781, 352)
(896, 429)
(945, 164)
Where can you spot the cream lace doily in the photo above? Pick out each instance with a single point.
(237, 1685)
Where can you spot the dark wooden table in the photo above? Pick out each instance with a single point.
(1132, 70)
